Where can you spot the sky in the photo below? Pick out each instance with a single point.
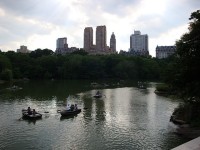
(38, 23)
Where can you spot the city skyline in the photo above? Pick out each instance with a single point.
(37, 24)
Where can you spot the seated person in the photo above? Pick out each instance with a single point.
(75, 107)
(98, 93)
(34, 112)
(72, 107)
(29, 111)
(68, 107)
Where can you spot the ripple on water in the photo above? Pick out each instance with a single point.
(106, 124)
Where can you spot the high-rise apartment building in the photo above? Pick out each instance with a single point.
(88, 39)
(101, 38)
(139, 43)
(61, 43)
(101, 42)
(113, 42)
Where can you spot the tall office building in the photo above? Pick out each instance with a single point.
(139, 43)
(101, 38)
(113, 42)
(88, 38)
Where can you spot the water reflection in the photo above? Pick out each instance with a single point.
(93, 107)
(151, 108)
(125, 118)
(60, 89)
(33, 121)
(87, 106)
(67, 117)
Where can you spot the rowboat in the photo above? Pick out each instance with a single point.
(70, 112)
(32, 116)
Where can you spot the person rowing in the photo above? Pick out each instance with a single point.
(29, 111)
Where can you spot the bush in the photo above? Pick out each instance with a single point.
(6, 75)
(162, 88)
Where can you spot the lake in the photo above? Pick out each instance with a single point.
(124, 118)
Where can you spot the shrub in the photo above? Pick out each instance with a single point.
(6, 75)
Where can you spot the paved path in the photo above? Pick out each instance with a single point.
(191, 145)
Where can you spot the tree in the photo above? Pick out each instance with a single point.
(80, 52)
(5, 68)
(39, 53)
(4, 63)
(6, 75)
(188, 53)
(49, 65)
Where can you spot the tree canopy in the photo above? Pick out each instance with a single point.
(44, 64)
(187, 77)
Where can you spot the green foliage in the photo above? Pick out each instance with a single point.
(188, 60)
(17, 74)
(182, 72)
(188, 112)
(80, 52)
(39, 53)
(6, 75)
(126, 69)
(162, 87)
(71, 67)
(48, 65)
(41, 64)
(4, 63)
(5, 68)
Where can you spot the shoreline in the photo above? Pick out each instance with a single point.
(188, 132)
(184, 129)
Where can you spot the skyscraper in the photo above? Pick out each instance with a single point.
(88, 38)
(139, 43)
(101, 42)
(101, 38)
(113, 42)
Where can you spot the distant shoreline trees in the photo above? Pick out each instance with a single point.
(45, 64)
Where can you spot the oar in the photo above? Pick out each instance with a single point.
(45, 111)
(20, 118)
(58, 111)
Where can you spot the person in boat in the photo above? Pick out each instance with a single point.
(68, 107)
(72, 107)
(75, 107)
(98, 93)
(34, 112)
(29, 110)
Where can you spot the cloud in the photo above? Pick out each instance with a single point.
(17, 28)
(38, 24)
(167, 38)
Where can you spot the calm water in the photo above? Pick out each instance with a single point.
(125, 118)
